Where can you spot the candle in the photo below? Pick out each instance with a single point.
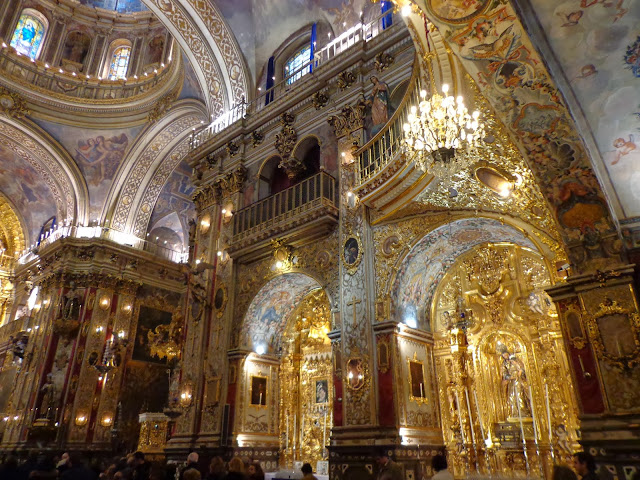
(520, 419)
(421, 391)
(546, 396)
(286, 434)
(533, 415)
(295, 422)
(301, 431)
(473, 434)
(475, 398)
(324, 431)
(464, 440)
(260, 401)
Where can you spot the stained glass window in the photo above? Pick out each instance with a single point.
(293, 68)
(119, 62)
(28, 35)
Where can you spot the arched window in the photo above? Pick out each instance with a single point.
(119, 62)
(293, 68)
(29, 33)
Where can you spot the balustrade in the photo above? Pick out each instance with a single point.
(312, 193)
(357, 35)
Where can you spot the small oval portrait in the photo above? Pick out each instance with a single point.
(218, 300)
(93, 358)
(351, 251)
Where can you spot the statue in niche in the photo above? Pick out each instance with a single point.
(379, 102)
(76, 47)
(514, 380)
(70, 308)
(48, 403)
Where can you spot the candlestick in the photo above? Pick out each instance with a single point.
(546, 396)
(463, 436)
(533, 416)
(421, 391)
(286, 434)
(480, 420)
(473, 435)
(524, 441)
(260, 401)
(301, 431)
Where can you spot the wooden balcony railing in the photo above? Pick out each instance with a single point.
(315, 193)
(386, 145)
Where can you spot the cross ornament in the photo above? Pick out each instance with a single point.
(354, 302)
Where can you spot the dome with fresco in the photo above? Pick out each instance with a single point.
(120, 6)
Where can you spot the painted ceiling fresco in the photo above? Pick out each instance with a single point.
(262, 26)
(269, 310)
(598, 46)
(98, 153)
(491, 43)
(428, 261)
(174, 208)
(24, 187)
(190, 87)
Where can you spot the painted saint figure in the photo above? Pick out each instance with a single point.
(514, 380)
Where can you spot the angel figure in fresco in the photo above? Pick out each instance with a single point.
(514, 381)
(100, 156)
(623, 148)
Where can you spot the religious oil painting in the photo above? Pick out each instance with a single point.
(351, 251)
(416, 379)
(322, 391)
(258, 391)
(28, 35)
(148, 319)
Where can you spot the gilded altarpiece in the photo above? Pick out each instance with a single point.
(501, 364)
(306, 383)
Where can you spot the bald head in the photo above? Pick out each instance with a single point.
(193, 458)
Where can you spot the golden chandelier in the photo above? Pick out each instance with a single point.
(441, 135)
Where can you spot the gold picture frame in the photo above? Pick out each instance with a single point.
(573, 327)
(352, 252)
(220, 300)
(622, 334)
(416, 377)
(321, 390)
(259, 391)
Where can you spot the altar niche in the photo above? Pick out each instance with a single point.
(506, 400)
(306, 384)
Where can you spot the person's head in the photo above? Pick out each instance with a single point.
(191, 474)
(236, 465)
(306, 469)
(216, 467)
(439, 462)
(373, 79)
(382, 457)
(193, 457)
(138, 458)
(562, 472)
(584, 463)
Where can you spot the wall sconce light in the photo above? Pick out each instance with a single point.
(126, 308)
(121, 334)
(105, 302)
(46, 303)
(185, 398)
(205, 223)
(106, 420)
(81, 419)
(99, 329)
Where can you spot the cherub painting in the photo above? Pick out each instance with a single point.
(100, 157)
(623, 148)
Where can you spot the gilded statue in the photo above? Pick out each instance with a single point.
(48, 403)
(514, 381)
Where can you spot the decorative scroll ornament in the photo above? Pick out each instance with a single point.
(350, 118)
(205, 197)
(282, 254)
(165, 340)
(292, 166)
(285, 141)
(162, 106)
(620, 344)
(357, 375)
(12, 104)
(320, 99)
(383, 61)
(256, 138)
(231, 183)
(233, 148)
(345, 80)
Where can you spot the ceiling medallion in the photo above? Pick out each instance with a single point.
(441, 136)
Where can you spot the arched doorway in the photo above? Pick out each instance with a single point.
(285, 392)
(477, 287)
